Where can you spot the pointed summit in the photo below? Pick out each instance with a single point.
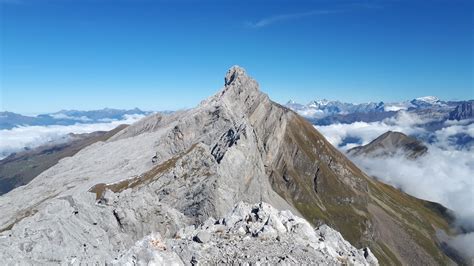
(235, 75)
(241, 92)
(237, 80)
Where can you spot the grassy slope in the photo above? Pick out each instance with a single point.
(361, 208)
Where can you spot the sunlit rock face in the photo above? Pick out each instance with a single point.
(166, 172)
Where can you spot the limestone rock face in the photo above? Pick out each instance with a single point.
(235, 146)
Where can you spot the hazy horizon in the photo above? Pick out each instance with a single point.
(35, 113)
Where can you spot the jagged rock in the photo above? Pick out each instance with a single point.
(271, 237)
(202, 237)
(235, 146)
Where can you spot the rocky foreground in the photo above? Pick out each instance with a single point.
(249, 235)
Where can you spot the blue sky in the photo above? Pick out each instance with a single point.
(156, 55)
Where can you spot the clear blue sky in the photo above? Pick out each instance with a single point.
(88, 54)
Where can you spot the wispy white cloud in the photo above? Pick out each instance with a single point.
(464, 244)
(64, 116)
(267, 21)
(289, 16)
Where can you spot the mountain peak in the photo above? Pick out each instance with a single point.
(430, 99)
(427, 101)
(235, 74)
(240, 90)
(389, 144)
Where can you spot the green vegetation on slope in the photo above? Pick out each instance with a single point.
(326, 187)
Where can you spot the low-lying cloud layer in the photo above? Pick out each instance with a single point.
(444, 174)
(19, 138)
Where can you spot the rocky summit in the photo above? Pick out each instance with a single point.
(138, 190)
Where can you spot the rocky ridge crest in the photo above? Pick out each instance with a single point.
(250, 235)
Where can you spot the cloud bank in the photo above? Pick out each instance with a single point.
(19, 138)
(445, 174)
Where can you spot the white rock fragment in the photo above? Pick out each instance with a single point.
(151, 250)
(202, 237)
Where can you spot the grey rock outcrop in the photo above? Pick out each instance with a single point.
(202, 237)
(252, 235)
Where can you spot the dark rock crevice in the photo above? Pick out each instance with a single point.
(227, 140)
(117, 218)
(315, 180)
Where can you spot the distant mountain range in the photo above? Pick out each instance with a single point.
(9, 120)
(325, 112)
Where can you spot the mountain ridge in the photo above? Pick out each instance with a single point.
(235, 146)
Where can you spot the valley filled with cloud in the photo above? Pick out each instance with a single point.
(444, 174)
(28, 137)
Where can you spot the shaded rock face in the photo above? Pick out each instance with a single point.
(462, 111)
(168, 171)
(251, 235)
(389, 144)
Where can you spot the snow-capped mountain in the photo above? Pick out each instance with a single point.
(323, 112)
(337, 107)
(323, 108)
(426, 102)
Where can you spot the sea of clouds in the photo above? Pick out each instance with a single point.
(27, 137)
(445, 174)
